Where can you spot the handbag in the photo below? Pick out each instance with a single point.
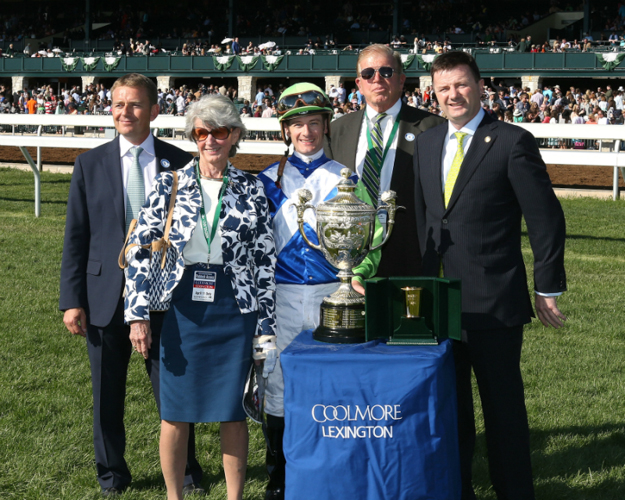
(162, 259)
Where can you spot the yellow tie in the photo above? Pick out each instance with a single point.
(455, 167)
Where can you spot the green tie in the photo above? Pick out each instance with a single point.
(455, 167)
(373, 160)
(135, 189)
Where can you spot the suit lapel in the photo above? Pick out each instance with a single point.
(483, 139)
(111, 163)
(432, 177)
(350, 136)
(405, 128)
(162, 164)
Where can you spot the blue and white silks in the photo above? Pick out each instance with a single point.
(303, 276)
(298, 263)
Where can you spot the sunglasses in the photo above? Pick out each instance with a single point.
(369, 73)
(310, 98)
(201, 134)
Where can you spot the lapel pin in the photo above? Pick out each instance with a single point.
(409, 137)
(487, 138)
(165, 163)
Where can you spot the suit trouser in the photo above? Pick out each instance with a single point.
(495, 358)
(109, 354)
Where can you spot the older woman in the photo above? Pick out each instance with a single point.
(222, 288)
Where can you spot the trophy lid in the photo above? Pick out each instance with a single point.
(345, 200)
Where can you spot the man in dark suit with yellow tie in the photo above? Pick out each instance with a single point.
(108, 187)
(475, 178)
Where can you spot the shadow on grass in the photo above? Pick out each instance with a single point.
(32, 200)
(569, 463)
(592, 238)
(585, 237)
(256, 472)
(608, 489)
(156, 480)
(576, 449)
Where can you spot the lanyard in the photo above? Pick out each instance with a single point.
(210, 235)
(378, 167)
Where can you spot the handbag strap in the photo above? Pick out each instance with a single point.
(160, 244)
(121, 260)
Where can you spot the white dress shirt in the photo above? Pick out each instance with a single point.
(449, 151)
(196, 250)
(451, 143)
(387, 126)
(147, 160)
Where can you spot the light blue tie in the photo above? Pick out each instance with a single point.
(135, 190)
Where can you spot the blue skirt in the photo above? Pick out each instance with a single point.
(206, 352)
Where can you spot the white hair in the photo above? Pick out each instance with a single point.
(216, 111)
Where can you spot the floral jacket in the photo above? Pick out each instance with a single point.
(248, 249)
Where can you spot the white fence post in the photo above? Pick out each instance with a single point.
(37, 180)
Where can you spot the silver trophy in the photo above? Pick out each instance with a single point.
(345, 228)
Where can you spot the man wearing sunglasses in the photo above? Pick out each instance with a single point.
(303, 276)
(388, 128)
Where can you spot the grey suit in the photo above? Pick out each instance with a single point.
(400, 256)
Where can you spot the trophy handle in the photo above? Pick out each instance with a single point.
(388, 204)
(301, 206)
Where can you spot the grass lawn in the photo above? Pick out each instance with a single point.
(574, 376)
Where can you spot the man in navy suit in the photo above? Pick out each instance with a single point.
(475, 178)
(92, 283)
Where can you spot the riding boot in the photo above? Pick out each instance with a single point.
(275, 460)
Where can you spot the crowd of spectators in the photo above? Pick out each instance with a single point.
(425, 22)
(550, 104)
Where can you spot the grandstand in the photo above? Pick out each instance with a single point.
(94, 43)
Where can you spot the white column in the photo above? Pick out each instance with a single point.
(333, 80)
(164, 82)
(424, 81)
(247, 87)
(18, 83)
(88, 80)
(531, 81)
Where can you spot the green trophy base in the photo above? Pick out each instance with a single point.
(412, 331)
(344, 324)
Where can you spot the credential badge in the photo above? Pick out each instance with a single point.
(165, 163)
(409, 137)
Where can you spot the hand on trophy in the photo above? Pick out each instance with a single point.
(358, 287)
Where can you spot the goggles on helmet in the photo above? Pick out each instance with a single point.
(308, 98)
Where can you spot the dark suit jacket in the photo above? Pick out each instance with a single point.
(95, 227)
(478, 236)
(400, 255)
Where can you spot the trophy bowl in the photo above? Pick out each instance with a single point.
(345, 229)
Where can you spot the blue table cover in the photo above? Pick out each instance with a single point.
(370, 421)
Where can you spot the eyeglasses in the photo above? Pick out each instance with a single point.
(369, 73)
(309, 98)
(201, 134)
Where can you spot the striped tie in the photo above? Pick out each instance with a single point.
(370, 173)
(455, 167)
(135, 189)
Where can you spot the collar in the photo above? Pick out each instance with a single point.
(309, 159)
(306, 167)
(393, 111)
(147, 145)
(470, 128)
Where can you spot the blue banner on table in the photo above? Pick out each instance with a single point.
(370, 421)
